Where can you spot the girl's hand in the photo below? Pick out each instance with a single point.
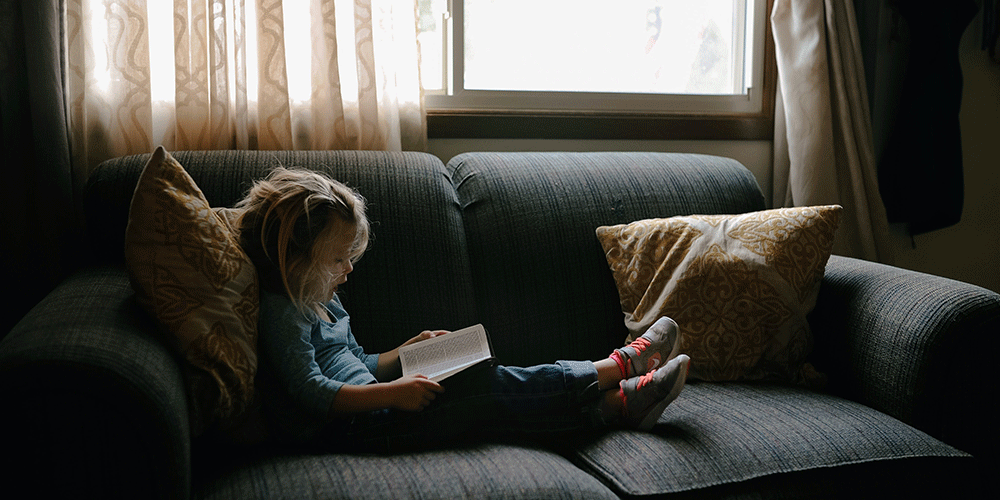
(425, 335)
(388, 362)
(413, 393)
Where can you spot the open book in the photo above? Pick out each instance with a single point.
(445, 355)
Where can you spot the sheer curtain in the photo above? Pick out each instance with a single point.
(823, 137)
(241, 74)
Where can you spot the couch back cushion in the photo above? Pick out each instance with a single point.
(543, 286)
(415, 274)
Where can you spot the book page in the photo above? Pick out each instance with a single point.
(443, 356)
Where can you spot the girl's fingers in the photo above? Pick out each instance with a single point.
(429, 334)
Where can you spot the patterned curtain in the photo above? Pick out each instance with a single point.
(241, 74)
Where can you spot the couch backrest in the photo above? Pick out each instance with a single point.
(415, 274)
(506, 239)
(542, 283)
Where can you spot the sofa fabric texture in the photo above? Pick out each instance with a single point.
(490, 470)
(711, 424)
(96, 402)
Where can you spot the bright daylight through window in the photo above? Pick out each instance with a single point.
(614, 55)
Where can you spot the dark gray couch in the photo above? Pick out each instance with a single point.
(94, 401)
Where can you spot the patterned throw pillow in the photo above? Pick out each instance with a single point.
(189, 272)
(739, 286)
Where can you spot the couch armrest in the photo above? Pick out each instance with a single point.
(915, 346)
(94, 400)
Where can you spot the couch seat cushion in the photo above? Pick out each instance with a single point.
(482, 472)
(724, 433)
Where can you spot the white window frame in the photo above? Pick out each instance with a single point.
(456, 99)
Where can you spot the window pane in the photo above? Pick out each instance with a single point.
(634, 46)
(431, 32)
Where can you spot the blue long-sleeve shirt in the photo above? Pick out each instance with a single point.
(312, 358)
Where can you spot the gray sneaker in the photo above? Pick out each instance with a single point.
(659, 344)
(645, 397)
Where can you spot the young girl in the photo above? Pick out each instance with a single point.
(304, 232)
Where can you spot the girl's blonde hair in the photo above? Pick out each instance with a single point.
(287, 220)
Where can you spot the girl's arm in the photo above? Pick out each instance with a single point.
(412, 393)
(388, 362)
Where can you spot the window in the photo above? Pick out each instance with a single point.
(596, 68)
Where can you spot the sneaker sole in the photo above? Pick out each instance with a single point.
(676, 350)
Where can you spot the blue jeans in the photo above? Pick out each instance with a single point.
(543, 401)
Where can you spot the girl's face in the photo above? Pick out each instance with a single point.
(335, 253)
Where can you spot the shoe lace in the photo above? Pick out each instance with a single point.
(644, 380)
(640, 344)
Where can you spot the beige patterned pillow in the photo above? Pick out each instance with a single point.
(739, 286)
(190, 273)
